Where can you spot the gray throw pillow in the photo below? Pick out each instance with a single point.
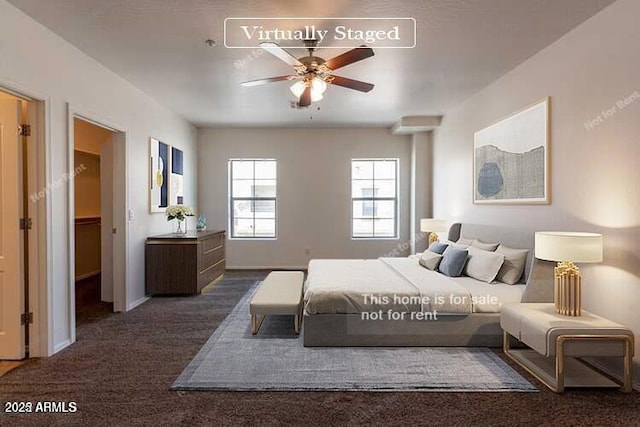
(438, 247)
(453, 260)
(484, 246)
(430, 260)
(513, 266)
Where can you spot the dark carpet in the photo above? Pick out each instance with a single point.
(120, 370)
(89, 308)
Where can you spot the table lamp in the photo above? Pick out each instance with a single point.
(567, 248)
(433, 226)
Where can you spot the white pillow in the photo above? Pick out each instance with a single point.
(464, 241)
(483, 265)
(430, 260)
(458, 245)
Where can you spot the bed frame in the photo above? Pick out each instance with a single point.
(473, 330)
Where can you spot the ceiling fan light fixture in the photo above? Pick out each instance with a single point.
(318, 87)
(297, 88)
(313, 74)
(315, 97)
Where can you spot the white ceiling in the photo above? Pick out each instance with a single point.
(158, 45)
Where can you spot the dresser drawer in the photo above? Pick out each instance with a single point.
(211, 258)
(213, 243)
(210, 274)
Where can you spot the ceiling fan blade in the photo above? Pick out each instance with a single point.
(351, 84)
(354, 55)
(267, 80)
(280, 53)
(305, 98)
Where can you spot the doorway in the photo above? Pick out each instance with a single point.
(97, 219)
(93, 202)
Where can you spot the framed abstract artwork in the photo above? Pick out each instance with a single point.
(177, 179)
(159, 159)
(511, 158)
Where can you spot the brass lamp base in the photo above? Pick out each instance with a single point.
(568, 289)
(433, 237)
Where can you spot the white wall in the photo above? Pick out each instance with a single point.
(314, 172)
(90, 138)
(37, 60)
(422, 205)
(595, 172)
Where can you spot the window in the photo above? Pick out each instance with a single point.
(374, 198)
(252, 201)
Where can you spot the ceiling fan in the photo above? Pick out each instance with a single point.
(313, 73)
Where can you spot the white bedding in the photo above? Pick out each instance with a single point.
(398, 284)
(340, 285)
(489, 297)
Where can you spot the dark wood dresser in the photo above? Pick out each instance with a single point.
(184, 263)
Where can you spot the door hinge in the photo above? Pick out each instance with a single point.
(25, 223)
(26, 318)
(24, 130)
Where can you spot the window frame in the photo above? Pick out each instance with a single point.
(232, 199)
(373, 199)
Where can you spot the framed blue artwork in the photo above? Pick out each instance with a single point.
(511, 158)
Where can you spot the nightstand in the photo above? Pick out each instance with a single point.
(556, 344)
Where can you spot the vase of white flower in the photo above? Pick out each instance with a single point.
(180, 214)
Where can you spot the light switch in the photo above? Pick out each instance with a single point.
(132, 215)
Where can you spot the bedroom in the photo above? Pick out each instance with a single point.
(582, 55)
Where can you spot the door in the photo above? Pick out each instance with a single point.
(12, 333)
(119, 221)
(106, 214)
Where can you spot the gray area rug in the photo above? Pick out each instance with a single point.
(275, 359)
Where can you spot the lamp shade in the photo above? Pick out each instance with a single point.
(434, 225)
(568, 246)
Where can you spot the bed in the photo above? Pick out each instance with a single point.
(397, 302)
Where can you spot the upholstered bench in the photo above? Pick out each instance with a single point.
(556, 341)
(279, 293)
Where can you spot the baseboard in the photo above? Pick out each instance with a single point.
(278, 268)
(61, 346)
(614, 373)
(137, 303)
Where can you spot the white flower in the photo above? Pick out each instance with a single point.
(179, 212)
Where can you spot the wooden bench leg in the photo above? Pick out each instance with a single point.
(255, 324)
